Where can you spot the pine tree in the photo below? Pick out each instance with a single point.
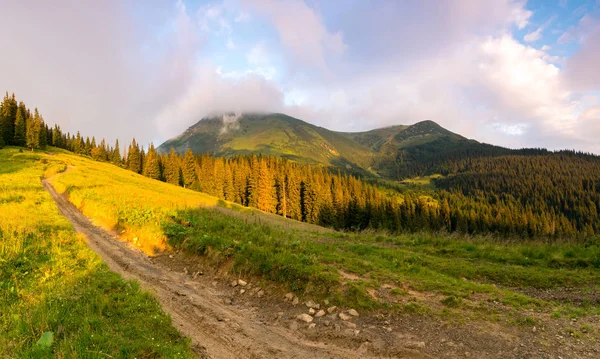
(134, 158)
(43, 142)
(173, 169)
(20, 128)
(8, 112)
(151, 166)
(189, 169)
(116, 155)
(264, 189)
(33, 129)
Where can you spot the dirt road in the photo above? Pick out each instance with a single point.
(202, 309)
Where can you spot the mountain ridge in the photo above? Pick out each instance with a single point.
(375, 152)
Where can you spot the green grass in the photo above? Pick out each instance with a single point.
(484, 278)
(453, 267)
(57, 298)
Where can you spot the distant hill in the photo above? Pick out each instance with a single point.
(392, 152)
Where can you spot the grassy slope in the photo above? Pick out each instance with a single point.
(51, 282)
(273, 134)
(427, 273)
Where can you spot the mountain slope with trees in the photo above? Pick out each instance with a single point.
(484, 189)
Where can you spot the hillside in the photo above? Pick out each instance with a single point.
(380, 152)
(272, 134)
(414, 291)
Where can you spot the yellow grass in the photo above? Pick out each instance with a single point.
(120, 200)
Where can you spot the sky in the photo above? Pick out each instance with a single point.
(508, 72)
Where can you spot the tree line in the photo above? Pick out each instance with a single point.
(533, 193)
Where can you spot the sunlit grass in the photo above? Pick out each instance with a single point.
(50, 282)
(424, 272)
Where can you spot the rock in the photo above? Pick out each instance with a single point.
(260, 293)
(534, 329)
(389, 329)
(331, 309)
(289, 296)
(242, 291)
(305, 318)
(312, 325)
(171, 256)
(415, 345)
(311, 311)
(310, 304)
(295, 301)
(326, 323)
(356, 332)
(320, 313)
(185, 270)
(326, 302)
(214, 283)
(353, 312)
(349, 325)
(344, 316)
(337, 327)
(234, 283)
(227, 301)
(243, 283)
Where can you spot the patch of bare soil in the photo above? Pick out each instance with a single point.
(226, 317)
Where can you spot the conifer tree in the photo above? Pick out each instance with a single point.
(151, 166)
(134, 158)
(43, 133)
(33, 129)
(264, 189)
(173, 169)
(116, 155)
(8, 112)
(189, 169)
(20, 128)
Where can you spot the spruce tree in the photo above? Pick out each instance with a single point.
(189, 169)
(264, 189)
(116, 155)
(20, 129)
(151, 166)
(134, 158)
(8, 112)
(173, 169)
(43, 142)
(33, 129)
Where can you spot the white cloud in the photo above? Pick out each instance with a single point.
(301, 31)
(534, 35)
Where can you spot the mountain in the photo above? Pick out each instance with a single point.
(392, 152)
(271, 134)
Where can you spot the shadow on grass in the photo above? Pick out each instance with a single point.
(89, 311)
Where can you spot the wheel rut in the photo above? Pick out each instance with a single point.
(216, 329)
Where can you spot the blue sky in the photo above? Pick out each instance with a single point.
(509, 72)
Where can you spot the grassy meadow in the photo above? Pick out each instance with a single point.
(435, 274)
(57, 298)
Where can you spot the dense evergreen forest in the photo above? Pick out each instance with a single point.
(527, 193)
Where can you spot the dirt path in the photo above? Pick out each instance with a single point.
(202, 310)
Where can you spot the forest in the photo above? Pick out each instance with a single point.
(527, 194)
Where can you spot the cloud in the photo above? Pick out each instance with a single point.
(211, 93)
(581, 69)
(94, 66)
(534, 35)
(301, 31)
